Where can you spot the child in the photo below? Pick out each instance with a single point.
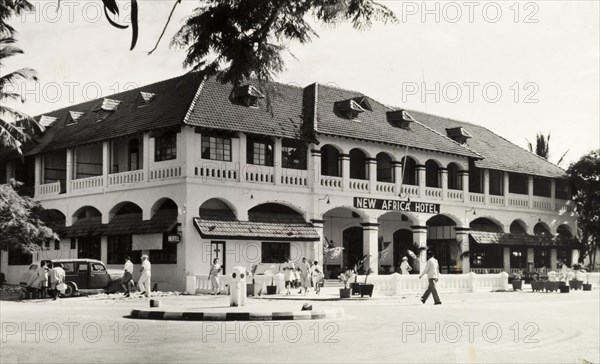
(317, 276)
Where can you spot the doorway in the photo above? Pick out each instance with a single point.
(352, 239)
(403, 242)
(217, 250)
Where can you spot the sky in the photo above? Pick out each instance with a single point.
(517, 68)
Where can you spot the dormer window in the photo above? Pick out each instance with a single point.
(349, 108)
(47, 121)
(363, 102)
(147, 97)
(399, 118)
(458, 134)
(247, 95)
(109, 105)
(74, 116)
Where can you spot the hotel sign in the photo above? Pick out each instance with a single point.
(396, 205)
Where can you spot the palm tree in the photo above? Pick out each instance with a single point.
(542, 147)
(9, 8)
(15, 126)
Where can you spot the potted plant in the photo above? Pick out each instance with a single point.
(367, 289)
(563, 278)
(355, 286)
(345, 277)
(587, 286)
(517, 281)
(272, 288)
(537, 285)
(552, 284)
(330, 251)
(251, 288)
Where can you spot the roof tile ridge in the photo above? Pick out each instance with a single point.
(192, 106)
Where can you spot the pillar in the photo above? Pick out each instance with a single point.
(486, 186)
(314, 169)
(465, 185)
(420, 239)
(69, 176)
(242, 157)
(345, 158)
(10, 170)
(318, 245)
(38, 169)
(372, 164)
(277, 166)
(421, 179)
(553, 193)
(188, 151)
(371, 245)
(105, 161)
(462, 238)
(530, 190)
(397, 166)
(574, 257)
(146, 155)
(104, 248)
(530, 258)
(444, 180)
(553, 259)
(505, 187)
(506, 259)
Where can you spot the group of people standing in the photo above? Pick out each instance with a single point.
(302, 275)
(46, 280)
(143, 282)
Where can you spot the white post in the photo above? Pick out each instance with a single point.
(421, 177)
(530, 190)
(444, 179)
(372, 165)
(146, 156)
(462, 237)
(397, 176)
(69, 176)
(506, 187)
(486, 186)
(277, 166)
(345, 171)
(371, 245)
(420, 239)
(465, 185)
(314, 169)
(242, 157)
(105, 162)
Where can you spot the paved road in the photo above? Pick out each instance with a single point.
(482, 327)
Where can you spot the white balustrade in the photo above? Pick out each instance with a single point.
(87, 183)
(478, 198)
(384, 187)
(294, 177)
(220, 171)
(433, 192)
(165, 173)
(497, 200)
(126, 177)
(545, 204)
(48, 189)
(410, 191)
(454, 195)
(259, 174)
(331, 182)
(515, 201)
(359, 185)
(199, 283)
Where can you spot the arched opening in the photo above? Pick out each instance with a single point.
(541, 229)
(441, 238)
(54, 219)
(485, 255)
(336, 221)
(125, 208)
(564, 231)
(432, 174)
(358, 164)
(454, 178)
(564, 252)
(409, 171)
(216, 209)
(403, 245)
(385, 171)
(390, 247)
(352, 240)
(518, 227)
(274, 212)
(485, 224)
(330, 161)
(86, 212)
(133, 152)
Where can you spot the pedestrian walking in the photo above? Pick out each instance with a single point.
(432, 269)
(127, 276)
(213, 276)
(405, 268)
(304, 270)
(288, 273)
(317, 276)
(146, 270)
(57, 276)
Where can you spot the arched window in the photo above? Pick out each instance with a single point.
(134, 154)
(454, 180)
(409, 171)
(385, 171)
(432, 175)
(330, 161)
(358, 164)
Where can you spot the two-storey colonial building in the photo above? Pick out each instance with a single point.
(186, 170)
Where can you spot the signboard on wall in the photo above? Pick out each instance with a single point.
(173, 238)
(396, 205)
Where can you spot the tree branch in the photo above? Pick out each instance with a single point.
(177, 2)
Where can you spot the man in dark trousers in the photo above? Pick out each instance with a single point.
(432, 269)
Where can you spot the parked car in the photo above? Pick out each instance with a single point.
(81, 274)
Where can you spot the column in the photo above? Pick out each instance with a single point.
(444, 179)
(242, 158)
(371, 245)
(553, 193)
(318, 245)
(397, 166)
(462, 238)
(530, 258)
(506, 187)
(530, 190)
(10, 170)
(506, 259)
(314, 169)
(486, 186)
(146, 155)
(105, 162)
(188, 152)
(420, 239)
(421, 179)
(345, 158)
(553, 259)
(38, 169)
(372, 164)
(465, 185)
(104, 248)
(277, 167)
(69, 176)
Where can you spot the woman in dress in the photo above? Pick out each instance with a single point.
(317, 276)
(304, 268)
(405, 267)
(213, 276)
(289, 275)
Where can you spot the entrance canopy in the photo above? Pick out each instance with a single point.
(259, 230)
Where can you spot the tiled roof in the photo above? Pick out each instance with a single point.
(486, 237)
(248, 230)
(214, 109)
(162, 221)
(83, 227)
(374, 125)
(498, 152)
(167, 108)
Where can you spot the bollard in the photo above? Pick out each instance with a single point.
(237, 289)
(154, 303)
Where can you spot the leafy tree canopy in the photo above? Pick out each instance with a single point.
(20, 223)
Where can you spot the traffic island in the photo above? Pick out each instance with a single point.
(237, 315)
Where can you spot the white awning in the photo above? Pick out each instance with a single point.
(147, 241)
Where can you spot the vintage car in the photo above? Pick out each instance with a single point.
(80, 274)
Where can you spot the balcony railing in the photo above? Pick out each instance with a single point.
(410, 191)
(259, 174)
(226, 171)
(48, 189)
(88, 183)
(359, 185)
(454, 195)
(165, 173)
(385, 188)
(515, 200)
(477, 198)
(331, 182)
(124, 178)
(433, 193)
(294, 177)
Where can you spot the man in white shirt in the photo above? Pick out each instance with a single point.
(144, 281)
(127, 276)
(432, 269)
